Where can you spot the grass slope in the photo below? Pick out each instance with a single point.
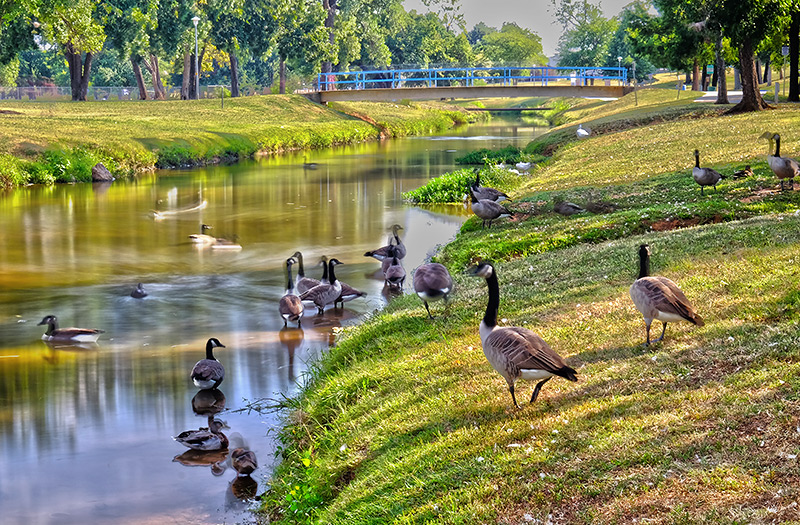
(404, 421)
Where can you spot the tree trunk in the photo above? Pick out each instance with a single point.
(187, 76)
(794, 54)
(330, 19)
(137, 72)
(751, 97)
(719, 69)
(282, 72)
(695, 76)
(767, 72)
(74, 63)
(737, 79)
(758, 70)
(688, 79)
(234, 75)
(87, 71)
(159, 93)
(704, 78)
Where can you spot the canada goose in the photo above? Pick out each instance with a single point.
(243, 461)
(309, 165)
(324, 294)
(138, 292)
(482, 192)
(704, 176)
(348, 292)
(746, 172)
(208, 401)
(583, 133)
(782, 167)
(208, 372)
(290, 307)
(659, 298)
(601, 206)
(78, 335)
(202, 237)
(210, 438)
(487, 210)
(227, 244)
(302, 283)
(394, 275)
(383, 252)
(566, 208)
(432, 282)
(513, 351)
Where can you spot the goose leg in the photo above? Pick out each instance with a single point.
(513, 397)
(539, 387)
(663, 331)
(647, 331)
(428, 309)
(701, 190)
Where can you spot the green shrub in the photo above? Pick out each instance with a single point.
(452, 187)
(509, 154)
(69, 165)
(11, 172)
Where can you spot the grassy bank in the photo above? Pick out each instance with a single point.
(59, 142)
(405, 421)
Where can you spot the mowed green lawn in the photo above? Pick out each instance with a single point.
(405, 421)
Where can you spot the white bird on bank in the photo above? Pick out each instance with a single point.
(582, 132)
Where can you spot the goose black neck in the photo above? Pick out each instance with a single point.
(777, 145)
(300, 270)
(490, 317)
(331, 275)
(472, 195)
(210, 351)
(644, 263)
(324, 272)
(52, 326)
(696, 160)
(289, 284)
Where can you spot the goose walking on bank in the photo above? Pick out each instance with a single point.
(704, 176)
(513, 351)
(660, 298)
(782, 167)
(290, 306)
(383, 252)
(324, 294)
(68, 335)
(393, 273)
(487, 210)
(483, 192)
(432, 282)
(208, 372)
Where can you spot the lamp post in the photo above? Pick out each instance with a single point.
(619, 62)
(195, 20)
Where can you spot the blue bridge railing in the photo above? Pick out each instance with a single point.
(467, 77)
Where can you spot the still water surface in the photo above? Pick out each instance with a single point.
(85, 432)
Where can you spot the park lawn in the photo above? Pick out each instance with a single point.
(404, 421)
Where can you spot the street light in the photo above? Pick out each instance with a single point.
(195, 20)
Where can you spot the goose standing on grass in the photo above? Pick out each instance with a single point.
(563, 207)
(513, 351)
(704, 176)
(782, 167)
(138, 292)
(383, 252)
(660, 298)
(203, 238)
(68, 335)
(208, 372)
(432, 282)
(303, 283)
(487, 210)
(206, 439)
(482, 192)
(324, 294)
(290, 307)
(583, 133)
(394, 275)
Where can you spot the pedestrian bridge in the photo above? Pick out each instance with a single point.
(480, 82)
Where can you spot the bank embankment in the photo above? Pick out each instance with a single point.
(47, 142)
(405, 421)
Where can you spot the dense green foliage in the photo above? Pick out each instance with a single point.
(452, 187)
(508, 154)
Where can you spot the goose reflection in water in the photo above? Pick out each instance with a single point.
(215, 459)
(208, 402)
(54, 350)
(291, 338)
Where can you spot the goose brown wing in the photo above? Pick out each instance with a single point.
(524, 349)
(667, 297)
(72, 331)
(432, 276)
(290, 305)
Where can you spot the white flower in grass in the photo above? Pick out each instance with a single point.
(342, 448)
(479, 459)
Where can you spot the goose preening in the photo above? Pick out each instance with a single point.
(324, 294)
(138, 292)
(76, 335)
(208, 372)
(432, 282)
(203, 238)
(583, 133)
(566, 208)
(383, 252)
(513, 351)
(782, 167)
(746, 172)
(290, 307)
(482, 192)
(302, 283)
(660, 298)
(243, 461)
(210, 438)
(394, 274)
(704, 176)
(487, 210)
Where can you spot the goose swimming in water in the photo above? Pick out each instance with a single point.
(383, 252)
(77, 335)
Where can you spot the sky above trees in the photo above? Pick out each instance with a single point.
(536, 15)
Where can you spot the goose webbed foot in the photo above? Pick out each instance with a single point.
(539, 387)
